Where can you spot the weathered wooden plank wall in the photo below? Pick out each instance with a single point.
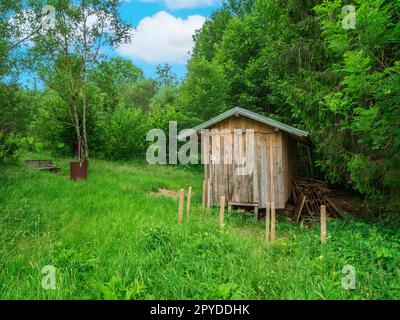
(273, 154)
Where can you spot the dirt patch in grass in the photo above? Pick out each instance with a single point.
(165, 193)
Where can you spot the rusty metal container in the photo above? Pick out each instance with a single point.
(78, 170)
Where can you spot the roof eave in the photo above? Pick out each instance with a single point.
(297, 134)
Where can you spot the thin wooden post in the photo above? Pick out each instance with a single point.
(271, 170)
(299, 206)
(203, 203)
(267, 214)
(323, 224)
(221, 211)
(256, 212)
(180, 210)
(272, 221)
(208, 193)
(272, 186)
(189, 196)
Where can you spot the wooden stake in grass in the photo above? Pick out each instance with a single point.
(189, 196)
(180, 210)
(203, 203)
(323, 224)
(208, 193)
(272, 221)
(221, 211)
(267, 214)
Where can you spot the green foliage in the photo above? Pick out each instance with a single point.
(164, 98)
(10, 32)
(115, 120)
(204, 92)
(121, 134)
(165, 76)
(366, 103)
(15, 113)
(211, 34)
(139, 94)
(51, 123)
(84, 27)
(8, 146)
(160, 117)
(115, 290)
(111, 76)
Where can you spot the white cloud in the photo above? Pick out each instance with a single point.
(184, 4)
(163, 38)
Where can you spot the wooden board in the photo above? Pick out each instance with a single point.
(271, 177)
(299, 206)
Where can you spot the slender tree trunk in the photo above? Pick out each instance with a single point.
(75, 121)
(84, 133)
(84, 107)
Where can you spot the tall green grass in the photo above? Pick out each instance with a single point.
(110, 237)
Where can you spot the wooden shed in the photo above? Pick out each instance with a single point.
(229, 139)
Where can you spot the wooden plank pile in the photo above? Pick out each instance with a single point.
(308, 196)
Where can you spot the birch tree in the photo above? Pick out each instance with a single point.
(81, 31)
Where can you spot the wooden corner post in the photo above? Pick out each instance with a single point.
(208, 193)
(203, 202)
(272, 182)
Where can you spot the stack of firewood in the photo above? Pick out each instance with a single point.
(308, 196)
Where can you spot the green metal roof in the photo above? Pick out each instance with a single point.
(252, 115)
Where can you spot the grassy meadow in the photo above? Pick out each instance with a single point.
(114, 237)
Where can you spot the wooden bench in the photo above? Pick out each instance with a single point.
(46, 165)
(249, 204)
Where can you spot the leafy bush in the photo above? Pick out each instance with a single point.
(121, 134)
(31, 144)
(8, 146)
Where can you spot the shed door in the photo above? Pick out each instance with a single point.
(242, 169)
(231, 167)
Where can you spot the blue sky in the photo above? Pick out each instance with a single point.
(163, 31)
